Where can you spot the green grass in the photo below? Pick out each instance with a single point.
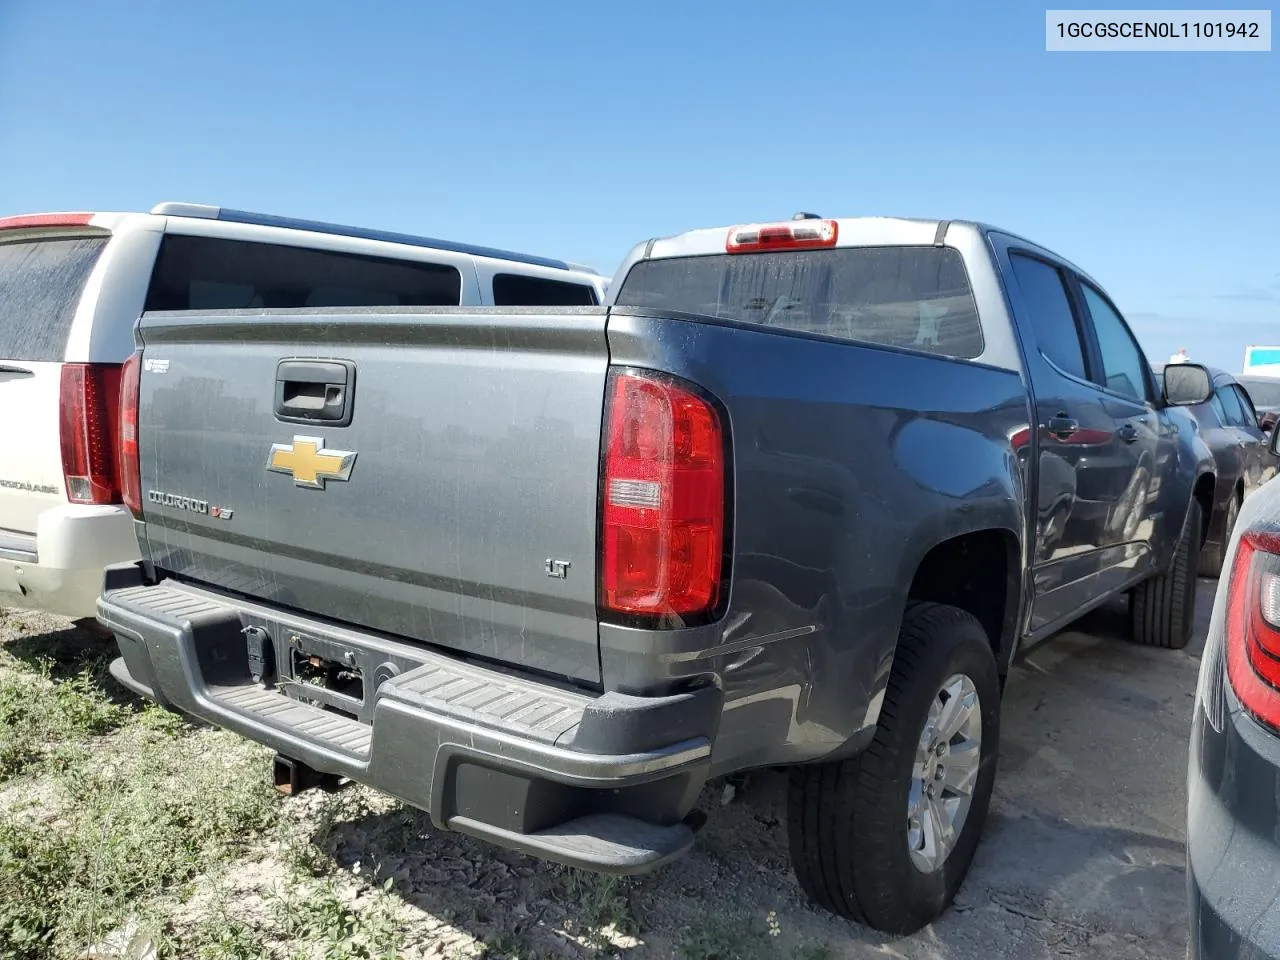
(600, 906)
(319, 916)
(46, 720)
(744, 937)
(124, 802)
(134, 830)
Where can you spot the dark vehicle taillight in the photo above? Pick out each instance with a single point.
(88, 408)
(663, 499)
(130, 467)
(1253, 625)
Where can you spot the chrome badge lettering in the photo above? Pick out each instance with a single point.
(26, 487)
(189, 504)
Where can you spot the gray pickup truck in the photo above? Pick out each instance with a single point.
(795, 496)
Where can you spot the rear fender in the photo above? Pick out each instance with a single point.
(1190, 463)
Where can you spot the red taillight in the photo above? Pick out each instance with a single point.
(89, 405)
(130, 468)
(1253, 625)
(663, 514)
(792, 235)
(45, 220)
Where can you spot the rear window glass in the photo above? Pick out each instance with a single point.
(40, 286)
(1262, 392)
(513, 290)
(913, 297)
(208, 273)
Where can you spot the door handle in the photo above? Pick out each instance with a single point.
(1062, 426)
(315, 391)
(1128, 433)
(21, 371)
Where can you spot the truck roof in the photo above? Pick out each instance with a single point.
(208, 212)
(852, 232)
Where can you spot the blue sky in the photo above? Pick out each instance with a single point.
(577, 129)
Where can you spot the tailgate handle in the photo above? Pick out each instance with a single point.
(315, 391)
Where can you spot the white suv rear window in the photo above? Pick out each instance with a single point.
(212, 274)
(40, 286)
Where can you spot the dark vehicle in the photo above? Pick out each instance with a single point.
(1230, 427)
(1233, 807)
(1265, 394)
(794, 496)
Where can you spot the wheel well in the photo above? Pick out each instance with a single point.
(972, 572)
(1204, 496)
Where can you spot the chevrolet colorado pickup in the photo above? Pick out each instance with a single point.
(793, 496)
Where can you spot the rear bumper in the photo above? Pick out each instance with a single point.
(600, 782)
(59, 569)
(1233, 855)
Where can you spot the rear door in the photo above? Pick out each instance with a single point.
(1086, 463)
(1246, 435)
(43, 275)
(422, 470)
(1072, 484)
(1134, 451)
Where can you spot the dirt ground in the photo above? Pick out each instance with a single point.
(1082, 856)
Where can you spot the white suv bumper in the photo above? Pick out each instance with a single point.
(60, 569)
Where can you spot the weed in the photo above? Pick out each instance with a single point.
(310, 856)
(505, 946)
(724, 939)
(319, 915)
(601, 905)
(151, 820)
(39, 714)
(812, 951)
(230, 939)
(157, 719)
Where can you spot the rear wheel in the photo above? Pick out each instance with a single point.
(1213, 554)
(1163, 608)
(886, 838)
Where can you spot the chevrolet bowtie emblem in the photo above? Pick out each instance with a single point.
(310, 462)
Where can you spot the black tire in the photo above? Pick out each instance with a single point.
(1213, 554)
(847, 820)
(1163, 608)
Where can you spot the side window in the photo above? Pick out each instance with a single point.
(1052, 321)
(1246, 406)
(514, 290)
(1123, 366)
(210, 273)
(1231, 404)
(1219, 410)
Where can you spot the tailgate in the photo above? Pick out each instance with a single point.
(444, 511)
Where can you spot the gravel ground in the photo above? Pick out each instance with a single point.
(1082, 857)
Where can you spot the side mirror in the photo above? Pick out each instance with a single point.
(1186, 384)
(1273, 441)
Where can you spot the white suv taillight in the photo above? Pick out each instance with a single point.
(662, 537)
(1253, 625)
(88, 407)
(130, 467)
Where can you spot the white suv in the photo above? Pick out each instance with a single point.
(72, 287)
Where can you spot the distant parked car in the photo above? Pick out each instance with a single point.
(1265, 394)
(1233, 806)
(1230, 426)
(72, 287)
